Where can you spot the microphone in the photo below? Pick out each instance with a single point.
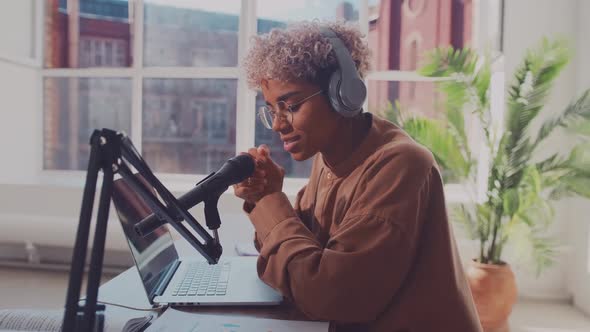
(233, 171)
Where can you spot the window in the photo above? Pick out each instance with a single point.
(399, 32)
(74, 107)
(191, 33)
(272, 15)
(82, 36)
(166, 72)
(185, 120)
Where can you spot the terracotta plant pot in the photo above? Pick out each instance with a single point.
(494, 293)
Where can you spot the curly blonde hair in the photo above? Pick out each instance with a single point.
(301, 52)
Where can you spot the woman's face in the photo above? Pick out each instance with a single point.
(314, 122)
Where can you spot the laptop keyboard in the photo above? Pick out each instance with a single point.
(204, 279)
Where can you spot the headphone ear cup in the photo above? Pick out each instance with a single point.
(335, 95)
(334, 91)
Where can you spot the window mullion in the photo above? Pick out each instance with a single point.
(402, 76)
(245, 116)
(137, 78)
(364, 28)
(364, 18)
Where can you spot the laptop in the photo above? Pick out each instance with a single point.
(172, 280)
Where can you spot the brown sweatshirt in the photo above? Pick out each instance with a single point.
(368, 245)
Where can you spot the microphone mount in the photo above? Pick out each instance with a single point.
(208, 190)
(111, 152)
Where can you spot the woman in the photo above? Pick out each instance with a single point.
(368, 245)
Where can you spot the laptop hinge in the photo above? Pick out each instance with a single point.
(165, 280)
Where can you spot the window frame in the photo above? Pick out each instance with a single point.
(245, 98)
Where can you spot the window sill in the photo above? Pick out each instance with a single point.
(181, 183)
(25, 62)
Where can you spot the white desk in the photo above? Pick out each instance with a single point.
(126, 288)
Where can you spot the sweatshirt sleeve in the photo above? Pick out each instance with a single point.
(363, 264)
(249, 207)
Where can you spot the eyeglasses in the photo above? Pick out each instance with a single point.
(268, 115)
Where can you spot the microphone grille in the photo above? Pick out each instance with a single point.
(237, 169)
(243, 166)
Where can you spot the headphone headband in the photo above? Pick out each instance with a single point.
(347, 91)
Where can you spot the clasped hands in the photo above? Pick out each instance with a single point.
(267, 178)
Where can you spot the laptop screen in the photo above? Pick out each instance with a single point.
(154, 254)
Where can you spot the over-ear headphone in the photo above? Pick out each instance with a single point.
(346, 89)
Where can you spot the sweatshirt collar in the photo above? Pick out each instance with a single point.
(359, 154)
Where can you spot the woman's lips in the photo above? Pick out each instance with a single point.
(290, 144)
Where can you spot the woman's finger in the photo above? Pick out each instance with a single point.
(264, 150)
(259, 173)
(253, 152)
(253, 184)
(245, 192)
(249, 194)
(256, 181)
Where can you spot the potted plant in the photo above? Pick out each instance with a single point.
(516, 208)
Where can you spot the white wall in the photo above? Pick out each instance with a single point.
(19, 133)
(17, 26)
(526, 22)
(579, 279)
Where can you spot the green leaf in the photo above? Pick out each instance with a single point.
(444, 61)
(579, 184)
(391, 114)
(527, 95)
(484, 220)
(511, 202)
(581, 128)
(532, 245)
(459, 64)
(579, 158)
(559, 191)
(482, 83)
(576, 115)
(443, 145)
(555, 162)
(567, 176)
(517, 209)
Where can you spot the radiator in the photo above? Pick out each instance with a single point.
(51, 257)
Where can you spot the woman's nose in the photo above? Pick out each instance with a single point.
(279, 123)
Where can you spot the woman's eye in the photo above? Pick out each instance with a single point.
(294, 108)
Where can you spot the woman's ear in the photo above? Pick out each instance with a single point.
(263, 83)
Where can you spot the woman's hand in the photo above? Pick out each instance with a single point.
(275, 174)
(250, 189)
(267, 178)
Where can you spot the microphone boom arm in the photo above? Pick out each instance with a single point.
(175, 212)
(110, 152)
